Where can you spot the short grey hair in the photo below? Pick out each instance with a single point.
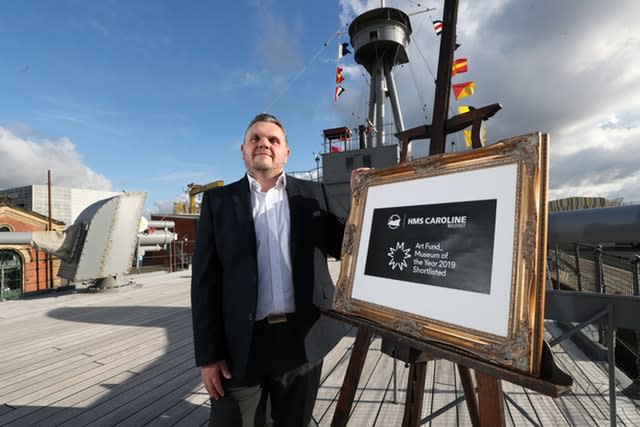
(269, 118)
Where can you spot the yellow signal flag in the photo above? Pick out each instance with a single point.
(467, 137)
(467, 132)
(462, 90)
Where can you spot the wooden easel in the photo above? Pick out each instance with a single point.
(486, 406)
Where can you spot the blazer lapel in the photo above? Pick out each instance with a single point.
(245, 230)
(241, 198)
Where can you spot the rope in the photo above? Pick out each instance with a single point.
(302, 71)
(420, 94)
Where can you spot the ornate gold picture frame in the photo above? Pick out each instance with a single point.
(452, 248)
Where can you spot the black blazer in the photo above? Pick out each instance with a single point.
(224, 284)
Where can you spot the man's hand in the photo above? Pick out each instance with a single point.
(355, 173)
(211, 378)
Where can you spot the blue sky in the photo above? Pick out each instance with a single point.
(152, 95)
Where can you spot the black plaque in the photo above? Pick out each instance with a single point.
(448, 244)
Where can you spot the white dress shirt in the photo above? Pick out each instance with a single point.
(272, 224)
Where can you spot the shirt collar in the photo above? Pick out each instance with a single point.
(281, 183)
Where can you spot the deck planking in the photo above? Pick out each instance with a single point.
(372, 386)
(334, 368)
(124, 357)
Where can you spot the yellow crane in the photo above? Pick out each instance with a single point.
(192, 191)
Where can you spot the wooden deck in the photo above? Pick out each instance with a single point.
(124, 357)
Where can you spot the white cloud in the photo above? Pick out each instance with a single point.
(557, 67)
(351, 71)
(349, 9)
(26, 161)
(162, 206)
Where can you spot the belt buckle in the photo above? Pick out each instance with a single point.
(276, 318)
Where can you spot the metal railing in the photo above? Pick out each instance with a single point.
(613, 270)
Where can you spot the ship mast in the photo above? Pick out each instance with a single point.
(441, 126)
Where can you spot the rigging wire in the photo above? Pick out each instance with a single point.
(412, 71)
(362, 103)
(304, 69)
(363, 93)
(424, 59)
(420, 93)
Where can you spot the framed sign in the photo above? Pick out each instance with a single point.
(451, 248)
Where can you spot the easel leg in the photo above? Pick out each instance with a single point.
(490, 401)
(352, 377)
(469, 394)
(415, 394)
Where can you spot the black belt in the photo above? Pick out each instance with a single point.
(273, 319)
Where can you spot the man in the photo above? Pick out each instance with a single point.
(259, 275)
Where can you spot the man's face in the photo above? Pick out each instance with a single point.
(264, 149)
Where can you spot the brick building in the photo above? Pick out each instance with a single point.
(25, 268)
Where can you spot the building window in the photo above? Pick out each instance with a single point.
(11, 263)
(4, 228)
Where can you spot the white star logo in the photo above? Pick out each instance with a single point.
(399, 256)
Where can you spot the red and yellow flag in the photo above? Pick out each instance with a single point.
(462, 90)
(339, 78)
(459, 66)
